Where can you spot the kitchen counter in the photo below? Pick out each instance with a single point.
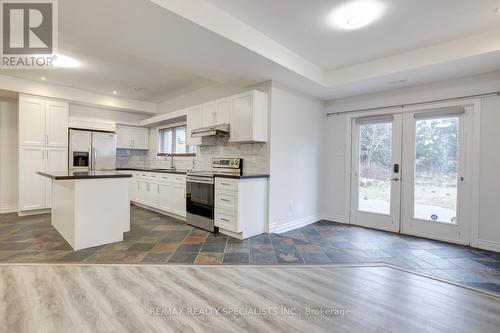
(170, 171)
(90, 208)
(244, 176)
(72, 175)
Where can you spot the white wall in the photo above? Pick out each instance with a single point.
(296, 159)
(489, 222)
(83, 111)
(8, 155)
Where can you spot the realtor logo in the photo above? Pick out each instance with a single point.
(29, 33)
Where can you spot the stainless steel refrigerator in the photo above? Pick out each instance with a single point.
(90, 150)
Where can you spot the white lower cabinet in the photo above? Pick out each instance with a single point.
(35, 191)
(241, 206)
(164, 192)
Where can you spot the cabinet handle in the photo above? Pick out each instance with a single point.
(225, 200)
(46, 139)
(223, 219)
(225, 184)
(47, 154)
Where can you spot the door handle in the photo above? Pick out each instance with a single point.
(396, 179)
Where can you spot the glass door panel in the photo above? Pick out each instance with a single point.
(375, 161)
(436, 169)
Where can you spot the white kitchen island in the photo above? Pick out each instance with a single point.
(90, 208)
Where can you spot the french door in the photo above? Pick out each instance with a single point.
(376, 162)
(409, 173)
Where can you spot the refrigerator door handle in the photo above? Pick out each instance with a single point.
(94, 157)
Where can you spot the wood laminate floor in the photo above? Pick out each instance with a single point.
(129, 298)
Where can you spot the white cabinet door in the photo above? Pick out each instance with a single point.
(123, 137)
(178, 199)
(140, 137)
(142, 191)
(31, 121)
(152, 194)
(223, 110)
(134, 193)
(194, 121)
(56, 123)
(241, 118)
(164, 196)
(209, 114)
(31, 185)
(56, 159)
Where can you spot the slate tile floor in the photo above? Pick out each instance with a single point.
(162, 240)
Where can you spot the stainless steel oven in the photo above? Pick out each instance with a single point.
(200, 201)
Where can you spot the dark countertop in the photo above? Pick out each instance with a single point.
(69, 175)
(174, 172)
(244, 176)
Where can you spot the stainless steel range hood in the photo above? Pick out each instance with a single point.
(216, 130)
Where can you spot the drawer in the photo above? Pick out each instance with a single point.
(226, 184)
(226, 220)
(226, 200)
(178, 179)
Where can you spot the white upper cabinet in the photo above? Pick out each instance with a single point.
(31, 121)
(194, 120)
(246, 114)
(43, 122)
(216, 112)
(123, 137)
(130, 137)
(140, 137)
(56, 123)
(248, 117)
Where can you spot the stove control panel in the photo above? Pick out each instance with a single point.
(227, 163)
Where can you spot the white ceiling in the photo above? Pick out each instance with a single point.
(303, 27)
(153, 50)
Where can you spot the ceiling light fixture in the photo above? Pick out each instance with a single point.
(115, 92)
(356, 14)
(497, 10)
(43, 78)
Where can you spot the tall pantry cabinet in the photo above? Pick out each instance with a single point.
(43, 145)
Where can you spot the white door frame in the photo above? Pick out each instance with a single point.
(473, 160)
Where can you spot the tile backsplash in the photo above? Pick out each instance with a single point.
(255, 156)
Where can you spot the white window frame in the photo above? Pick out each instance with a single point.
(160, 154)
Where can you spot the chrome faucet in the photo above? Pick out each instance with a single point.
(172, 165)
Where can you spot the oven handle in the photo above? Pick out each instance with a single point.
(199, 180)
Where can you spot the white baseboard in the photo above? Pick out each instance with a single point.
(34, 212)
(8, 209)
(295, 224)
(334, 218)
(486, 245)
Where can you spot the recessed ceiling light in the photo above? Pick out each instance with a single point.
(43, 78)
(497, 10)
(356, 14)
(115, 92)
(64, 61)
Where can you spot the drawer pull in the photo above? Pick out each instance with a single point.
(225, 184)
(225, 200)
(225, 220)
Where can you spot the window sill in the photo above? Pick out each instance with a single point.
(176, 155)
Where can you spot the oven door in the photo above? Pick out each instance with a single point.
(200, 202)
